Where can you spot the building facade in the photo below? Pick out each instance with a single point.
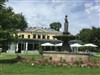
(32, 38)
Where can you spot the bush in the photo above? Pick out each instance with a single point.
(41, 52)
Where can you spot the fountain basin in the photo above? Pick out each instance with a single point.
(66, 56)
(65, 38)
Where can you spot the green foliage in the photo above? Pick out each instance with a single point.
(11, 20)
(90, 35)
(7, 37)
(55, 25)
(2, 1)
(9, 23)
(41, 50)
(85, 35)
(95, 37)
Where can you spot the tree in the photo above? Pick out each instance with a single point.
(85, 35)
(95, 36)
(12, 20)
(2, 3)
(9, 23)
(7, 37)
(55, 25)
(90, 35)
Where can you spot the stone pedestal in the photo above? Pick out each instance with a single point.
(66, 56)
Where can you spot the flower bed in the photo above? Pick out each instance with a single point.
(42, 61)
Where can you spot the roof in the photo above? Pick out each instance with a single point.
(36, 30)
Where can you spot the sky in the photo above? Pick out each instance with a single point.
(40, 13)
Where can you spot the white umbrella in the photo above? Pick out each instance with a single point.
(47, 44)
(59, 44)
(90, 45)
(75, 45)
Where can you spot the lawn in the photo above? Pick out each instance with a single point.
(9, 67)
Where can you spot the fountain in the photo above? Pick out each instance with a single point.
(65, 52)
(65, 37)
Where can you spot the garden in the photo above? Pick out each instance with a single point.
(28, 64)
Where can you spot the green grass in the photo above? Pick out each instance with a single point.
(11, 56)
(95, 58)
(98, 54)
(9, 67)
(28, 69)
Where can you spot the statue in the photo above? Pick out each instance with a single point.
(65, 37)
(66, 24)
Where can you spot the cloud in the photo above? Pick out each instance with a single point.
(41, 13)
(90, 7)
(93, 12)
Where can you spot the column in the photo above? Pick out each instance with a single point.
(33, 46)
(16, 47)
(26, 48)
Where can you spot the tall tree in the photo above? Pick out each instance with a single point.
(9, 23)
(90, 35)
(2, 3)
(85, 35)
(12, 20)
(55, 25)
(95, 36)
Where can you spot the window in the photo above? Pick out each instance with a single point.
(22, 36)
(39, 36)
(28, 36)
(34, 36)
(48, 37)
(43, 37)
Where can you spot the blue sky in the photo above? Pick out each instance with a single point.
(40, 13)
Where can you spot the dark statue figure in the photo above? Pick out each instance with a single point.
(66, 24)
